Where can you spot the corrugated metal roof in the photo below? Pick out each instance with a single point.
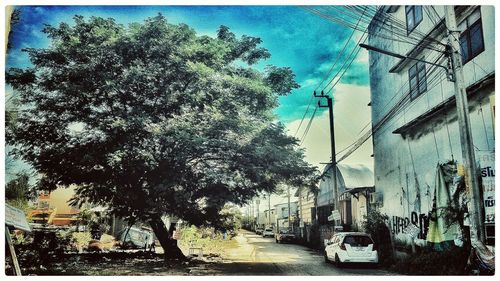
(348, 177)
(356, 176)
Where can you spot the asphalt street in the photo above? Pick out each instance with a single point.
(256, 255)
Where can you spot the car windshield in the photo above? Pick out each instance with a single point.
(269, 230)
(284, 231)
(358, 240)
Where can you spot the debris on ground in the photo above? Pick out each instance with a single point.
(121, 263)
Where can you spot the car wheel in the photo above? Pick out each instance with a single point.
(337, 261)
(326, 258)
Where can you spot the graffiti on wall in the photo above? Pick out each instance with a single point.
(421, 221)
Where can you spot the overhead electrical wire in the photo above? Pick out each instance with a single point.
(404, 100)
(325, 77)
(304, 116)
(354, 51)
(339, 55)
(346, 65)
(306, 131)
(394, 29)
(395, 110)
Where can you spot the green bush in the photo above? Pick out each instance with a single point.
(40, 249)
(207, 238)
(375, 225)
(81, 239)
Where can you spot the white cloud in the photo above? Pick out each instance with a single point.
(326, 66)
(362, 57)
(309, 82)
(351, 115)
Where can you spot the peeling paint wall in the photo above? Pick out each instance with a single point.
(405, 164)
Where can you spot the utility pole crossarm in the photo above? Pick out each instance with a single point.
(399, 56)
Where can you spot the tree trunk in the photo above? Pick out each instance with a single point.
(169, 245)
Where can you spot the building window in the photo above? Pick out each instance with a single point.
(418, 79)
(413, 17)
(471, 36)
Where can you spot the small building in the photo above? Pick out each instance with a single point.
(306, 205)
(354, 182)
(306, 212)
(351, 179)
(54, 208)
(358, 183)
(264, 220)
(282, 220)
(326, 198)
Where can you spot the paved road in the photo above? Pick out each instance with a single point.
(263, 256)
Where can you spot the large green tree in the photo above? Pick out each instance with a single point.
(152, 119)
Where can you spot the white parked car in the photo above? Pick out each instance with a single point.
(268, 232)
(355, 247)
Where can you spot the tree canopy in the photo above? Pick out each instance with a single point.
(153, 119)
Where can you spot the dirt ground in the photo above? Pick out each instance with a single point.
(133, 262)
(123, 263)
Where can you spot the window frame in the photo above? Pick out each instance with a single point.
(468, 39)
(411, 10)
(419, 88)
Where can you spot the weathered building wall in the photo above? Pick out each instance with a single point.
(405, 162)
(359, 210)
(305, 206)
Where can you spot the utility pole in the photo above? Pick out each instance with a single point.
(258, 203)
(471, 180)
(251, 215)
(301, 214)
(290, 226)
(332, 144)
(269, 210)
(247, 215)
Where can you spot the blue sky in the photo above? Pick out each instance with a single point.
(294, 37)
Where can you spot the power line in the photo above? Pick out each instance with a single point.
(328, 74)
(308, 125)
(357, 48)
(397, 28)
(395, 110)
(402, 101)
(304, 116)
(339, 55)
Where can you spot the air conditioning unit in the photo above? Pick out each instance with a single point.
(376, 198)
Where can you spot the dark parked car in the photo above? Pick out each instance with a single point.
(285, 235)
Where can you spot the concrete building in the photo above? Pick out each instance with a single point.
(54, 208)
(282, 220)
(306, 212)
(354, 185)
(351, 181)
(414, 111)
(264, 219)
(306, 206)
